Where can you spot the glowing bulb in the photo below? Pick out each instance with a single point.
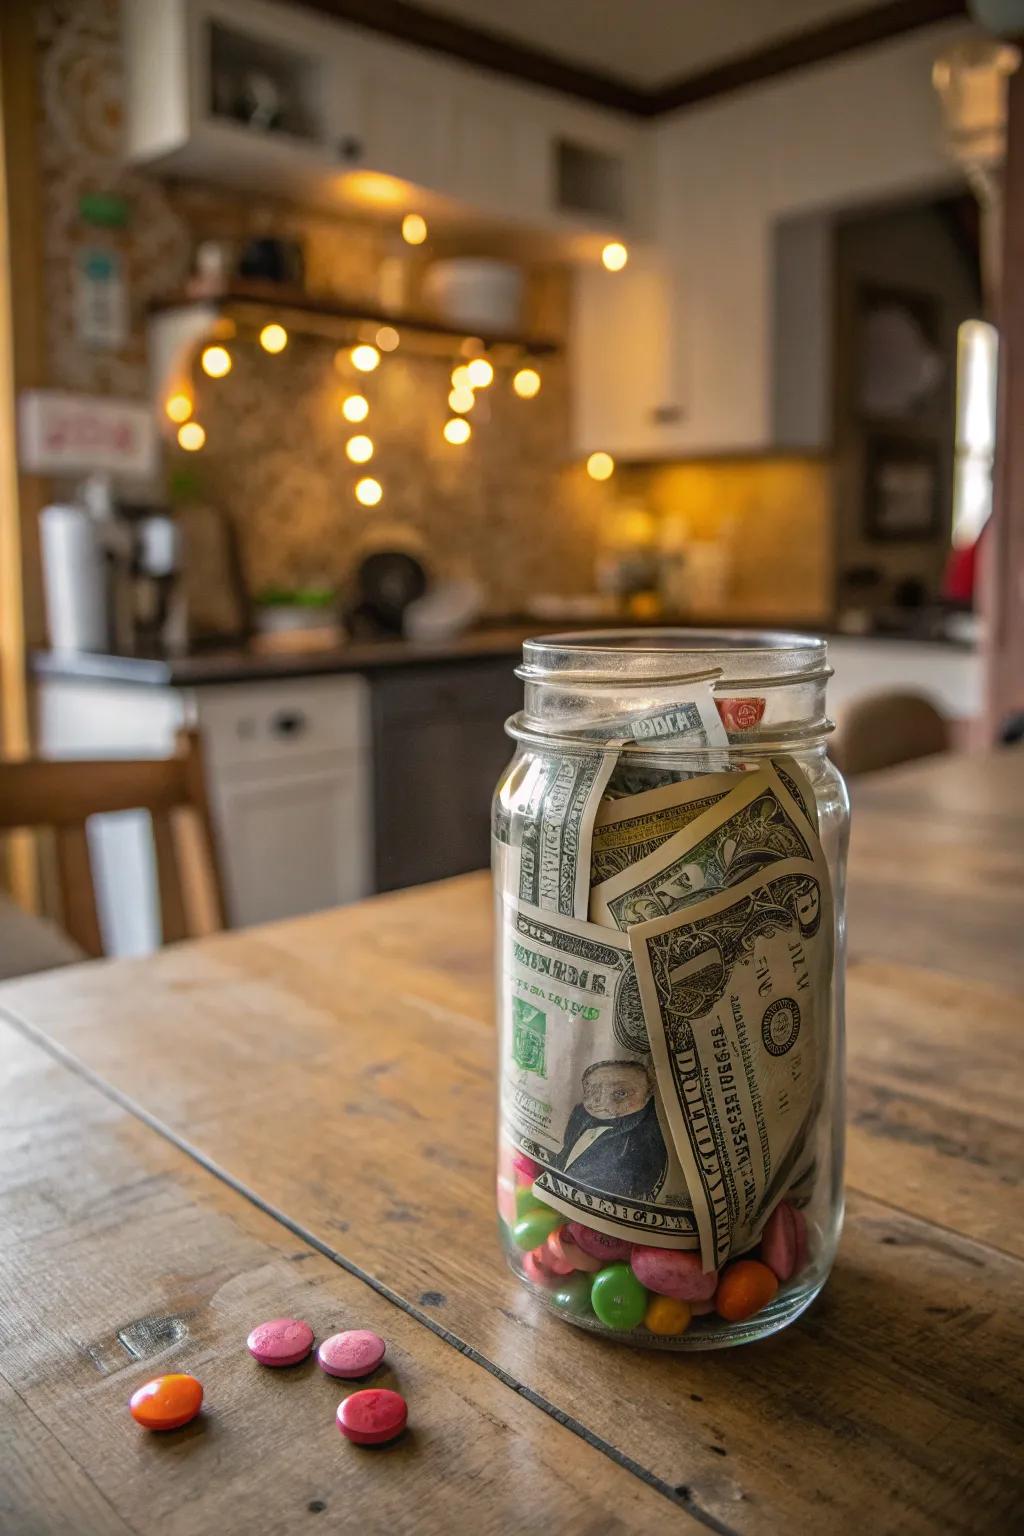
(614, 256)
(216, 361)
(360, 449)
(365, 358)
(369, 492)
(387, 338)
(273, 338)
(480, 373)
(461, 399)
(526, 383)
(600, 466)
(191, 437)
(458, 430)
(461, 378)
(355, 408)
(414, 229)
(179, 407)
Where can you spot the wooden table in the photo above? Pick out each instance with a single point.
(298, 1119)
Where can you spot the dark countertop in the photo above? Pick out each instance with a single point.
(261, 663)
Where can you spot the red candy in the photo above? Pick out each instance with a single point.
(526, 1166)
(598, 1244)
(671, 1272)
(784, 1241)
(372, 1416)
(535, 1268)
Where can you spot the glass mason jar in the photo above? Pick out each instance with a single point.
(669, 850)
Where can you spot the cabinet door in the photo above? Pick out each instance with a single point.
(439, 746)
(292, 844)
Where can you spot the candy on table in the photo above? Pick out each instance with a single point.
(535, 1227)
(351, 1354)
(372, 1416)
(671, 1272)
(743, 1289)
(166, 1402)
(561, 1247)
(667, 1316)
(617, 1297)
(572, 1295)
(598, 1244)
(784, 1241)
(281, 1341)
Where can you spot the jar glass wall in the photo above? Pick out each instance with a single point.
(669, 847)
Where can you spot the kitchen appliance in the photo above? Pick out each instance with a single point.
(476, 292)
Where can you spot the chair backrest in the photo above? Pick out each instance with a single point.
(63, 794)
(884, 729)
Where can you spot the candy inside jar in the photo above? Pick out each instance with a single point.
(669, 845)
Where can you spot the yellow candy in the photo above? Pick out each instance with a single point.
(666, 1315)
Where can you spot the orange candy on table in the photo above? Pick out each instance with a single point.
(167, 1402)
(745, 1287)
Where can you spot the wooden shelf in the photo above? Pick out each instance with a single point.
(334, 318)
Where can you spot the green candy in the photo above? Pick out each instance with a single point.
(536, 1227)
(526, 1201)
(573, 1295)
(618, 1298)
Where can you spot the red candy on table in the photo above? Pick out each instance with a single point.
(597, 1244)
(351, 1354)
(372, 1416)
(281, 1341)
(166, 1402)
(672, 1272)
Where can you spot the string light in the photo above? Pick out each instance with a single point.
(387, 338)
(273, 337)
(355, 408)
(600, 466)
(457, 430)
(414, 229)
(526, 383)
(369, 492)
(480, 373)
(191, 437)
(360, 449)
(461, 378)
(179, 407)
(216, 361)
(461, 399)
(365, 358)
(614, 256)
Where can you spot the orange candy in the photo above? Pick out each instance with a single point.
(167, 1402)
(667, 1316)
(745, 1287)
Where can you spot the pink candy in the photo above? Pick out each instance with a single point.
(526, 1166)
(281, 1341)
(535, 1269)
(671, 1272)
(351, 1354)
(562, 1250)
(784, 1241)
(597, 1244)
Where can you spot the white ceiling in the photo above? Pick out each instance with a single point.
(647, 42)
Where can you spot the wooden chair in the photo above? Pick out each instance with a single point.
(61, 795)
(884, 729)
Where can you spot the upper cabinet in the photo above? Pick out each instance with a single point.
(258, 95)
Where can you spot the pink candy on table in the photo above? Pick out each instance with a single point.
(351, 1354)
(784, 1241)
(597, 1244)
(561, 1248)
(281, 1341)
(672, 1272)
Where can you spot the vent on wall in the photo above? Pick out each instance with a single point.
(588, 181)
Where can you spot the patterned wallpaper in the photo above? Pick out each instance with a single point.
(506, 508)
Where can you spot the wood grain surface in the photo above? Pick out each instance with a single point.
(122, 1259)
(341, 1070)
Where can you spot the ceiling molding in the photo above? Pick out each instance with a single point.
(412, 23)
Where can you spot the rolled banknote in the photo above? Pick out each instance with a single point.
(578, 1091)
(755, 824)
(736, 997)
(626, 830)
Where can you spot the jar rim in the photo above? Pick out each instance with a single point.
(766, 657)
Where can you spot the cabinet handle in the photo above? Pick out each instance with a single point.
(665, 415)
(288, 723)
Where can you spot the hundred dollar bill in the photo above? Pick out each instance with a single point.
(736, 994)
(689, 723)
(550, 838)
(756, 824)
(578, 1090)
(628, 829)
